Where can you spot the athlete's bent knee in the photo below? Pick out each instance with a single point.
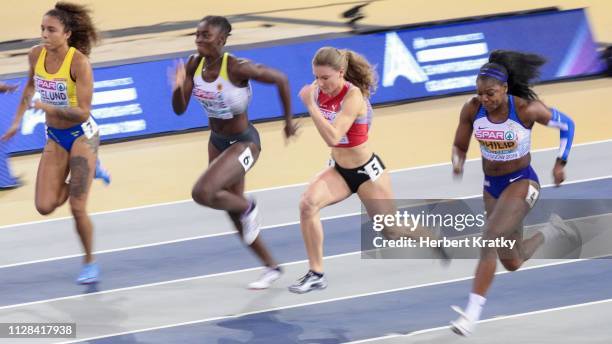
(392, 233)
(45, 208)
(511, 264)
(308, 206)
(204, 194)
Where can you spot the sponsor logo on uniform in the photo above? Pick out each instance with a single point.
(329, 115)
(512, 180)
(498, 146)
(497, 141)
(489, 135)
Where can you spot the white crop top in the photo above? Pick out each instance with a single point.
(220, 98)
(505, 141)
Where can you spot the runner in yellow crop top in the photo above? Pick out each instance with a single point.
(61, 74)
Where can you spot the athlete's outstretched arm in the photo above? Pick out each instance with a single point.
(7, 88)
(26, 96)
(245, 70)
(182, 84)
(333, 133)
(462, 136)
(551, 117)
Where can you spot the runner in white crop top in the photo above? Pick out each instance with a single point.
(220, 82)
(220, 98)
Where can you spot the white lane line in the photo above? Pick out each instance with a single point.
(18, 225)
(281, 225)
(272, 309)
(505, 317)
(234, 233)
(225, 273)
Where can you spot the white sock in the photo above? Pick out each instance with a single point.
(474, 306)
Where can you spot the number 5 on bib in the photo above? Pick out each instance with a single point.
(374, 169)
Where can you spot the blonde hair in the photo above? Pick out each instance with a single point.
(357, 70)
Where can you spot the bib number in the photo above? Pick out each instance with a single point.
(374, 169)
(246, 159)
(532, 196)
(90, 128)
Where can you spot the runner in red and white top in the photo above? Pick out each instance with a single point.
(339, 107)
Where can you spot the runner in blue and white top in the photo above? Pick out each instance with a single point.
(501, 117)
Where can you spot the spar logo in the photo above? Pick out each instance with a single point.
(328, 115)
(497, 141)
(49, 85)
(204, 95)
(53, 92)
(495, 135)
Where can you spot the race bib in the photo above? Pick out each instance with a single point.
(374, 169)
(90, 128)
(246, 159)
(532, 196)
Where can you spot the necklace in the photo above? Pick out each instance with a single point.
(206, 65)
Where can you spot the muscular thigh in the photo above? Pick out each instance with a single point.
(82, 166)
(489, 203)
(505, 253)
(227, 169)
(506, 217)
(377, 196)
(327, 188)
(52, 172)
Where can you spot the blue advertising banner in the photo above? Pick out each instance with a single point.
(134, 99)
